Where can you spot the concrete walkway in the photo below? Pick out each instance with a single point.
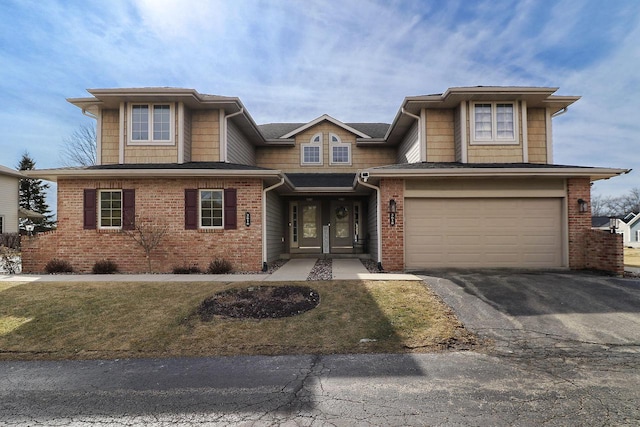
(297, 269)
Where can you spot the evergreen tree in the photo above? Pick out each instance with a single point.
(33, 196)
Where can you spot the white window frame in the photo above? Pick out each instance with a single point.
(150, 140)
(335, 141)
(494, 140)
(211, 227)
(99, 207)
(315, 141)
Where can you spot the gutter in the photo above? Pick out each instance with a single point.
(264, 221)
(378, 217)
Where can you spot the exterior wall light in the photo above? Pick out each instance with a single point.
(392, 212)
(583, 206)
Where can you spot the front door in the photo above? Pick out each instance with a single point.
(310, 225)
(341, 237)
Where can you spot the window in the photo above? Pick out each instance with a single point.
(151, 123)
(1, 224)
(311, 153)
(494, 123)
(340, 152)
(110, 209)
(211, 208)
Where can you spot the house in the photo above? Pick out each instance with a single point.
(9, 196)
(460, 179)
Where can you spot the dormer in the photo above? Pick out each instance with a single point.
(169, 125)
(479, 125)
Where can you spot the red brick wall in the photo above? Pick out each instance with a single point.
(160, 202)
(392, 236)
(605, 252)
(579, 222)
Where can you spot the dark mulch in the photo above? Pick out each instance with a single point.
(259, 302)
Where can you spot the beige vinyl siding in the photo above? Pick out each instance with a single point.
(205, 136)
(537, 132)
(187, 135)
(287, 158)
(110, 136)
(151, 154)
(275, 226)
(372, 226)
(239, 149)
(440, 135)
(483, 232)
(457, 135)
(9, 204)
(409, 148)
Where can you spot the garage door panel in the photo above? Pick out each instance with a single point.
(483, 232)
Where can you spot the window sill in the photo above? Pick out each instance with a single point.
(210, 230)
(494, 142)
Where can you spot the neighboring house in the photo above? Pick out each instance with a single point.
(460, 179)
(9, 197)
(628, 226)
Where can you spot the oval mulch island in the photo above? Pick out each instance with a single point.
(259, 302)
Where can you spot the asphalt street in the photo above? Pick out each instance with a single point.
(564, 349)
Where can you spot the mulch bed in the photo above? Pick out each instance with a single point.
(259, 302)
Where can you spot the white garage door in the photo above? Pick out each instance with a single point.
(524, 232)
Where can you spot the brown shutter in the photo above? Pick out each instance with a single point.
(89, 208)
(128, 209)
(230, 209)
(190, 209)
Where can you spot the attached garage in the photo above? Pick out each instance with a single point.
(484, 232)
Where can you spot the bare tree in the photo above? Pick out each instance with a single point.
(79, 149)
(148, 236)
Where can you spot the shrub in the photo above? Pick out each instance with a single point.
(105, 266)
(9, 260)
(219, 266)
(58, 266)
(184, 269)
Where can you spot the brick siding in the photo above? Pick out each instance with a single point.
(605, 252)
(579, 222)
(392, 235)
(159, 202)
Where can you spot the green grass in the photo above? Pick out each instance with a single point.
(115, 320)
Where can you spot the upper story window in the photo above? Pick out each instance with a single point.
(311, 152)
(494, 123)
(1, 224)
(110, 209)
(340, 152)
(151, 124)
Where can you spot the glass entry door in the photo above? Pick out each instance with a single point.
(310, 229)
(341, 225)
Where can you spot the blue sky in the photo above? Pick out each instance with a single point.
(296, 60)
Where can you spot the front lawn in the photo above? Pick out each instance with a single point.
(116, 320)
(632, 257)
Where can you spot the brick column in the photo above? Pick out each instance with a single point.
(392, 235)
(579, 222)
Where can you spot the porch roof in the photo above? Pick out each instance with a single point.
(322, 180)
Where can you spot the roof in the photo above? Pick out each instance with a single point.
(421, 169)
(188, 165)
(11, 172)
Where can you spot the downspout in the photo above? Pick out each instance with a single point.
(264, 222)
(223, 145)
(378, 217)
(559, 113)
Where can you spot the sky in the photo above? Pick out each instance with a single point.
(356, 60)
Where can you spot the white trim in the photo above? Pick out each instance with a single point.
(463, 132)
(210, 227)
(494, 140)
(422, 134)
(99, 139)
(122, 136)
(222, 133)
(151, 141)
(312, 143)
(181, 132)
(549, 137)
(323, 118)
(339, 143)
(99, 208)
(525, 132)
